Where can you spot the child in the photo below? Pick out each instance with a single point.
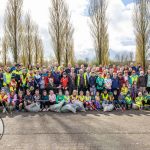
(13, 84)
(105, 97)
(37, 80)
(52, 97)
(124, 89)
(20, 101)
(93, 99)
(110, 98)
(88, 104)
(92, 82)
(67, 97)
(44, 101)
(37, 96)
(134, 90)
(116, 100)
(81, 97)
(51, 86)
(128, 101)
(97, 101)
(122, 101)
(64, 82)
(4, 100)
(139, 100)
(60, 97)
(12, 98)
(74, 97)
(30, 85)
(108, 82)
(28, 99)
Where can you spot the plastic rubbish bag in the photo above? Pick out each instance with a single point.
(135, 106)
(108, 107)
(34, 107)
(68, 108)
(57, 107)
(79, 106)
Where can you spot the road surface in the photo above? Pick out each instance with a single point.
(83, 131)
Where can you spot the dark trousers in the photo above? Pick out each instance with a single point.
(82, 88)
(18, 103)
(44, 104)
(148, 89)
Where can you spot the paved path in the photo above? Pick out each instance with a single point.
(83, 131)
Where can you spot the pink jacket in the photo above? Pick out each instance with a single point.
(12, 99)
(52, 98)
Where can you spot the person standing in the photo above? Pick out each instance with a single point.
(148, 81)
(141, 83)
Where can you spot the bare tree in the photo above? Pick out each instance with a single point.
(28, 34)
(71, 54)
(131, 56)
(13, 23)
(41, 52)
(57, 27)
(98, 26)
(36, 44)
(123, 58)
(141, 21)
(68, 38)
(5, 47)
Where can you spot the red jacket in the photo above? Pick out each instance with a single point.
(64, 82)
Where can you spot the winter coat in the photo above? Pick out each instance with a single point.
(141, 81)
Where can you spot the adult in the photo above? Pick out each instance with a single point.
(115, 83)
(141, 82)
(100, 83)
(72, 78)
(82, 81)
(148, 81)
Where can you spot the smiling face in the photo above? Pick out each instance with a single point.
(51, 92)
(60, 93)
(44, 93)
(67, 93)
(81, 93)
(28, 92)
(74, 93)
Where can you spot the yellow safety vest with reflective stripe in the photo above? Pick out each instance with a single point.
(24, 80)
(105, 97)
(7, 78)
(78, 80)
(17, 72)
(82, 98)
(139, 100)
(134, 78)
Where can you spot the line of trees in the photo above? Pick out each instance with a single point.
(124, 58)
(21, 36)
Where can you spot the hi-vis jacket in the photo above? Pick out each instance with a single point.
(7, 78)
(85, 80)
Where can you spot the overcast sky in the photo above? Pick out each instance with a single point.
(119, 14)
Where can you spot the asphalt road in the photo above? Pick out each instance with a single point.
(83, 131)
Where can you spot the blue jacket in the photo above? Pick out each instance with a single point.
(92, 81)
(115, 83)
(57, 78)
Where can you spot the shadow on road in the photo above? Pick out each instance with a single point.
(130, 113)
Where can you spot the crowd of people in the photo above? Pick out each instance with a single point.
(78, 88)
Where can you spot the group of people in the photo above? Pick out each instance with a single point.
(77, 88)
